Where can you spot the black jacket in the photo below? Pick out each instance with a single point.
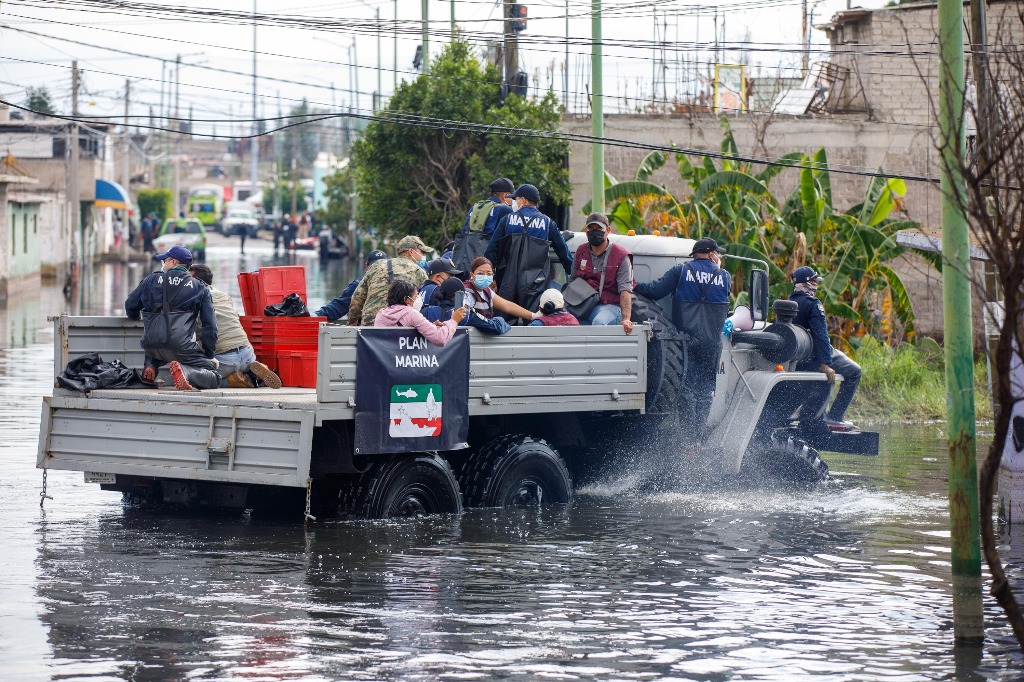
(811, 316)
(190, 300)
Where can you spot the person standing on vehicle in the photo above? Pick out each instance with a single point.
(169, 303)
(826, 359)
(519, 249)
(338, 307)
(599, 260)
(480, 222)
(370, 296)
(700, 303)
(234, 354)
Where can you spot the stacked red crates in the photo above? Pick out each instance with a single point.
(285, 344)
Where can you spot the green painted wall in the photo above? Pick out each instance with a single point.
(23, 239)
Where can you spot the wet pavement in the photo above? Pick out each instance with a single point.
(848, 581)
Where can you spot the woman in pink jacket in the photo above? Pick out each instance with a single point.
(404, 311)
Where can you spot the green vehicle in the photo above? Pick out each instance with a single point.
(206, 203)
(189, 233)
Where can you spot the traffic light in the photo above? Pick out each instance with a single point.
(518, 18)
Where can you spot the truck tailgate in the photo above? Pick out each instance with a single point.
(149, 434)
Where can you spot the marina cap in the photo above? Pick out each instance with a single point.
(706, 245)
(374, 256)
(177, 252)
(501, 185)
(528, 192)
(439, 265)
(412, 242)
(806, 274)
(597, 219)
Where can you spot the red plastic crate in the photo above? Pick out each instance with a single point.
(245, 288)
(272, 285)
(297, 368)
(270, 335)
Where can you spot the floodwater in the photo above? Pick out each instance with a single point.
(849, 581)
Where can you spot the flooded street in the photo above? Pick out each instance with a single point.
(848, 581)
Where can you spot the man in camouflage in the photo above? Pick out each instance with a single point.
(371, 295)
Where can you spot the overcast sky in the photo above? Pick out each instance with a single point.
(306, 61)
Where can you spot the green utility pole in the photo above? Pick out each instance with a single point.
(597, 110)
(426, 38)
(453, 19)
(965, 535)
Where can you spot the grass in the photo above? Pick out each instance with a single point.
(908, 383)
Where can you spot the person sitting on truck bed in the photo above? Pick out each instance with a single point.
(438, 270)
(338, 308)
(700, 304)
(481, 297)
(403, 311)
(169, 302)
(442, 303)
(371, 294)
(811, 316)
(554, 314)
(236, 358)
(599, 262)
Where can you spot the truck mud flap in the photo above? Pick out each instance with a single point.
(848, 443)
(189, 441)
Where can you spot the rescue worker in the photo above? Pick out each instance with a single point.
(811, 316)
(519, 250)
(600, 261)
(480, 222)
(338, 307)
(234, 354)
(438, 270)
(700, 304)
(169, 302)
(371, 295)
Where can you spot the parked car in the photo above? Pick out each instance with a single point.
(239, 218)
(186, 232)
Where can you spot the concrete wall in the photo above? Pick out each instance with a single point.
(850, 143)
(23, 240)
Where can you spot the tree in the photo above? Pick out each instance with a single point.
(338, 193)
(284, 189)
(156, 201)
(38, 99)
(420, 173)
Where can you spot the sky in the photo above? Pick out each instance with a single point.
(309, 48)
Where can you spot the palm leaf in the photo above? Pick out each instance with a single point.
(791, 160)
(731, 180)
(900, 299)
(627, 191)
(775, 273)
(808, 200)
(651, 163)
(843, 310)
(822, 177)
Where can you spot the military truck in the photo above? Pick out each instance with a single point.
(545, 404)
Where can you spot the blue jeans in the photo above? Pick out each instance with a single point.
(605, 314)
(851, 380)
(233, 361)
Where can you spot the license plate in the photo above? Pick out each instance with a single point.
(99, 477)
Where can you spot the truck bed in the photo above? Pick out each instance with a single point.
(264, 436)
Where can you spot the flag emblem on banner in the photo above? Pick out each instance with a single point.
(415, 410)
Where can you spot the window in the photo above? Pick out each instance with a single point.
(24, 232)
(14, 234)
(35, 224)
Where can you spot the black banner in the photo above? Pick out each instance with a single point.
(411, 396)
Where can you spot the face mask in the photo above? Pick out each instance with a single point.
(595, 237)
(483, 281)
(812, 287)
(417, 303)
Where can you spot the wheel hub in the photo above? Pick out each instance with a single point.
(528, 493)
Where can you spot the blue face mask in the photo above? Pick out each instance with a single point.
(422, 262)
(482, 281)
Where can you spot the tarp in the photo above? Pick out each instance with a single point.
(109, 194)
(411, 396)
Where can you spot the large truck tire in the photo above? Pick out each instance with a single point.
(666, 359)
(787, 457)
(515, 471)
(401, 486)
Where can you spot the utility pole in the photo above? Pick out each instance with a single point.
(979, 64)
(425, 38)
(126, 172)
(453, 20)
(597, 110)
(177, 136)
(77, 247)
(295, 185)
(805, 43)
(254, 143)
(565, 74)
(394, 84)
(511, 45)
(965, 527)
(380, 88)
(160, 134)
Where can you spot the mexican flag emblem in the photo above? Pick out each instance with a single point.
(415, 411)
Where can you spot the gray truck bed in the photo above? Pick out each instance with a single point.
(265, 436)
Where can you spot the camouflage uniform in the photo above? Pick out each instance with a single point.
(371, 296)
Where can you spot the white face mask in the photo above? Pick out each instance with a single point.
(417, 303)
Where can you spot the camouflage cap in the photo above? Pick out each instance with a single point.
(412, 242)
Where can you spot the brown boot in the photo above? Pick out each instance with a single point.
(240, 380)
(265, 374)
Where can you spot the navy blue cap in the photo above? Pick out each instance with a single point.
(177, 252)
(528, 192)
(374, 256)
(501, 185)
(706, 245)
(806, 274)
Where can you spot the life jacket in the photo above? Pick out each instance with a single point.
(585, 269)
(482, 302)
